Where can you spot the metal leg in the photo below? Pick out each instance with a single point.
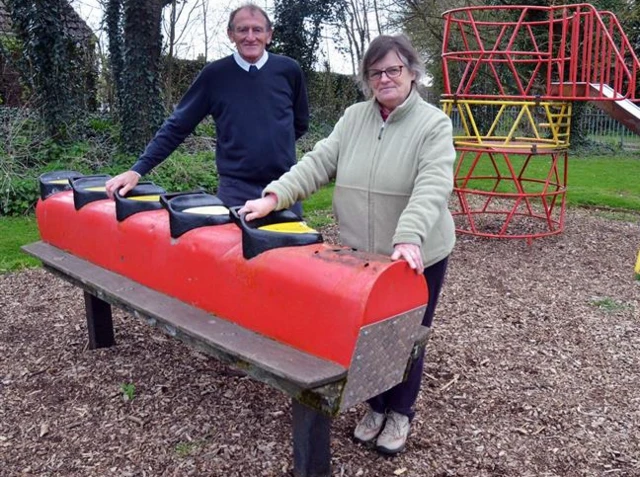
(99, 322)
(311, 442)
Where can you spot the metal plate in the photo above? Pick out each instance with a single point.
(381, 356)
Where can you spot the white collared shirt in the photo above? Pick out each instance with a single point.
(244, 64)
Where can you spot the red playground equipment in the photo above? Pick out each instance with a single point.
(333, 303)
(511, 74)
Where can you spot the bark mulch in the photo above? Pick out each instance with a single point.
(533, 370)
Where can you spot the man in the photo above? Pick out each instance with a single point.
(258, 101)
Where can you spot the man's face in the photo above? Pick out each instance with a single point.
(250, 34)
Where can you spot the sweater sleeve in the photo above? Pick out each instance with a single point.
(432, 186)
(314, 170)
(192, 109)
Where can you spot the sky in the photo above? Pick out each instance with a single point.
(192, 44)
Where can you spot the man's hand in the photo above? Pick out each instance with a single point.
(255, 209)
(125, 182)
(411, 253)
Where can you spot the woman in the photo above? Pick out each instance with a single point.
(392, 160)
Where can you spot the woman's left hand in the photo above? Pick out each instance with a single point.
(411, 253)
(258, 208)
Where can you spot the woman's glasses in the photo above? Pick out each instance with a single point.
(391, 72)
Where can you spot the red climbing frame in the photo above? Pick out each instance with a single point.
(563, 48)
(510, 75)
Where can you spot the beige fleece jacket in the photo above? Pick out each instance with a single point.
(392, 179)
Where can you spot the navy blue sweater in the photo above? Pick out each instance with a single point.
(258, 119)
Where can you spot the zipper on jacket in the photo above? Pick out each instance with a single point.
(370, 213)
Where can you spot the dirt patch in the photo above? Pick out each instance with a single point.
(533, 370)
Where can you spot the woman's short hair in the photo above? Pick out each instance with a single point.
(378, 49)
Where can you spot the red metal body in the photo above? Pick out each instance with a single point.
(315, 298)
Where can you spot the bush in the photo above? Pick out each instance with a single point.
(183, 172)
(27, 151)
(329, 95)
(19, 196)
(180, 172)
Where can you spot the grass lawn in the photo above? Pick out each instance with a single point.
(15, 232)
(598, 181)
(595, 181)
(318, 206)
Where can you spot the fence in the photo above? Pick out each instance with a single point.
(600, 127)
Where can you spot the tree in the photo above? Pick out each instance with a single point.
(298, 28)
(114, 22)
(54, 72)
(422, 21)
(358, 21)
(177, 11)
(205, 31)
(135, 25)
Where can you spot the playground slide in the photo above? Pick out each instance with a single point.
(622, 110)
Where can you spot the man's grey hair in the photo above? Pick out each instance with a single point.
(379, 48)
(253, 8)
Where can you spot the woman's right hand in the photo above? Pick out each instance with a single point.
(255, 209)
(411, 253)
(125, 182)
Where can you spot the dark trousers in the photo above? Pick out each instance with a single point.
(235, 192)
(402, 397)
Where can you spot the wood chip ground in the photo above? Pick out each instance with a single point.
(533, 369)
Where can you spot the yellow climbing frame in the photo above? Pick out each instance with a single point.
(510, 125)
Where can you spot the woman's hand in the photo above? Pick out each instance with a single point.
(125, 182)
(255, 209)
(410, 253)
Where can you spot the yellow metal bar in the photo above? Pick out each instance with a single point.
(473, 123)
(494, 125)
(552, 124)
(533, 123)
(511, 114)
(516, 122)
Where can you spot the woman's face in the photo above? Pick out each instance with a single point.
(390, 80)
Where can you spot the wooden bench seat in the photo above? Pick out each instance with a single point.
(316, 385)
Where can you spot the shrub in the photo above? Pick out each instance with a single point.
(183, 172)
(27, 151)
(18, 196)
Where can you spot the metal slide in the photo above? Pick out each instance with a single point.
(622, 109)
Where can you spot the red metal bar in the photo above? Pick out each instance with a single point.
(587, 40)
(445, 46)
(591, 48)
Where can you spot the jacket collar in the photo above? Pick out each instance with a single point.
(401, 110)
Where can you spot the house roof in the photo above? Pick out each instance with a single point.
(74, 25)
